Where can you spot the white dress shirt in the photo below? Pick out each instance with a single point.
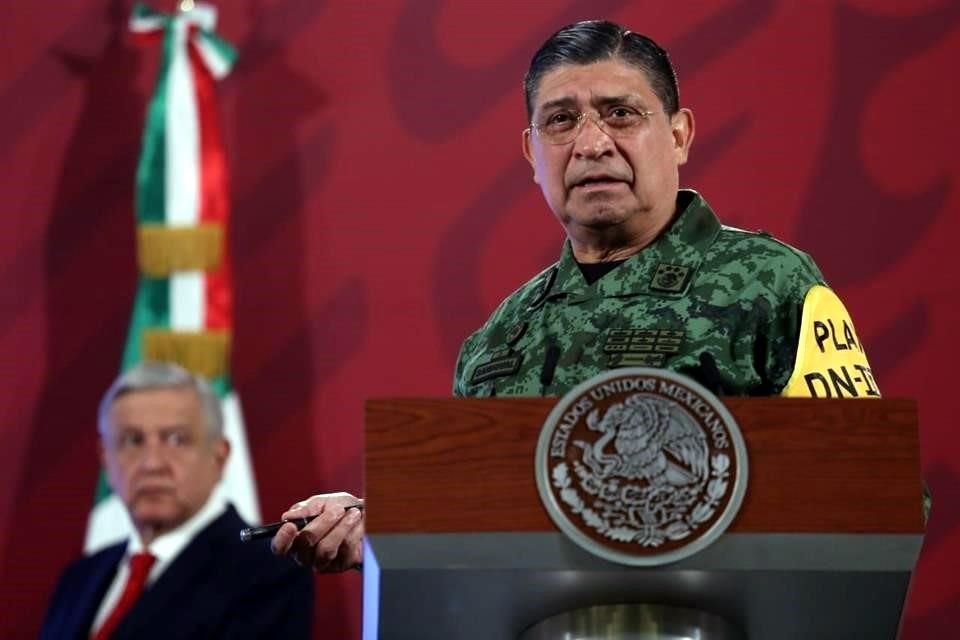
(164, 548)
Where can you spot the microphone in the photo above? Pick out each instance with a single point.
(550, 361)
(707, 374)
(711, 374)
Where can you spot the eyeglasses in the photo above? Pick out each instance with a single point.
(564, 126)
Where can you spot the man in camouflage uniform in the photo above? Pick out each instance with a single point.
(648, 276)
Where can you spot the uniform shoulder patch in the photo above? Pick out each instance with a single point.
(831, 361)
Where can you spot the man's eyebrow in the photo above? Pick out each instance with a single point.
(604, 101)
(599, 101)
(566, 101)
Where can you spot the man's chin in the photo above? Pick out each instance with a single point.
(602, 219)
(156, 514)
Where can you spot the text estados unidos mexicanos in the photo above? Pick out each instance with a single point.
(586, 403)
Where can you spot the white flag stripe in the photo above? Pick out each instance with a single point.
(187, 301)
(238, 479)
(146, 24)
(204, 15)
(218, 65)
(108, 524)
(182, 180)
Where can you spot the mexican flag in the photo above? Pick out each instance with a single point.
(183, 305)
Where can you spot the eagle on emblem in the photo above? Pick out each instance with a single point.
(640, 440)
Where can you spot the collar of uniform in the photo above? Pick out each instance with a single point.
(682, 245)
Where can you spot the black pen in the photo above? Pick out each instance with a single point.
(268, 530)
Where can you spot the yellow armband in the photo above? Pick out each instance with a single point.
(831, 362)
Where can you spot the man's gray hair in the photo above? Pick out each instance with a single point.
(162, 375)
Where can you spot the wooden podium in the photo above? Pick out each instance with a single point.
(460, 546)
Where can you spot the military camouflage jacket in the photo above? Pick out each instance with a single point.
(719, 304)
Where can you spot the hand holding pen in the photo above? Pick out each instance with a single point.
(269, 530)
(331, 536)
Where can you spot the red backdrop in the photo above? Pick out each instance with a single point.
(382, 208)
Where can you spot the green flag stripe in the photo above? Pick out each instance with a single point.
(151, 309)
(151, 171)
(221, 385)
(141, 11)
(219, 47)
(103, 491)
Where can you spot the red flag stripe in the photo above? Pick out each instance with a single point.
(214, 205)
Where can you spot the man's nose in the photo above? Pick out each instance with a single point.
(592, 139)
(153, 455)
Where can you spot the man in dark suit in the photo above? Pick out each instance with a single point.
(185, 574)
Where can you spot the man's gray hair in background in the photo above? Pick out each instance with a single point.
(162, 375)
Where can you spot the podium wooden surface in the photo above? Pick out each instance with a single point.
(828, 531)
(457, 465)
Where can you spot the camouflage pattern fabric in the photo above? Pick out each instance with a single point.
(718, 304)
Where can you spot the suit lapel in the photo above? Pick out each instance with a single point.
(90, 594)
(181, 580)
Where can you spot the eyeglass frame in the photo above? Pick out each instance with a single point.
(582, 116)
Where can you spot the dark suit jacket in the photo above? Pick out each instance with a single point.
(217, 587)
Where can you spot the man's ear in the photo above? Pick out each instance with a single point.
(527, 144)
(221, 451)
(683, 128)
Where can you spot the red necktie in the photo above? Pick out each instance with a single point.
(140, 564)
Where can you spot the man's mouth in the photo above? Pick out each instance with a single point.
(153, 491)
(597, 182)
